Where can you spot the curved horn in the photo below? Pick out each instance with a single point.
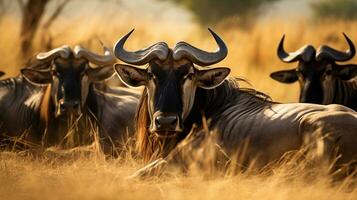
(80, 52)
(326, 52)
(198, 56)
(159, 50)
(305, 53)
(63, 51)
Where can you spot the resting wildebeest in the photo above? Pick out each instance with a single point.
(56, 100)
(321, 79)
(180, 91)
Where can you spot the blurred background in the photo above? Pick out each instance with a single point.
(251, 29)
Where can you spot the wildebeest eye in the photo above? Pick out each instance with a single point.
(328, 71)
(150, 76)
(189, 76)
(55, 73)
(82, 73)
(299, 71)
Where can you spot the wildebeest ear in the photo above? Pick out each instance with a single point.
(101, 73)
(285, 76)
(347, 72)
(131, 75)
(211, 78)
(37, 76)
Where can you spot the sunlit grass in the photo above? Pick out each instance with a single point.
(85, 174)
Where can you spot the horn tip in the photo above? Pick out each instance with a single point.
(281, 43)
(211, 31)
(346, 36)
(283, 37)
(105, 48)
(100, 42)
(352, 46)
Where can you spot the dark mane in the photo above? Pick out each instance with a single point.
(143, 144)
(232, 84)
(207, 102)
(46, 107)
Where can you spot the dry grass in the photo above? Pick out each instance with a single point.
(85, 174)
(89, 176)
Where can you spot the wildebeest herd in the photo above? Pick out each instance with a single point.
(62, 94)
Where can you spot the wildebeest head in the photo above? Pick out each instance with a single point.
(316, 69)
(69, 75)
(170, 79)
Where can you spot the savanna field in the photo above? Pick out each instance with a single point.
(85, 173)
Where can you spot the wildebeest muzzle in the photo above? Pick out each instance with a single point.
(166, 124)
(72, 107)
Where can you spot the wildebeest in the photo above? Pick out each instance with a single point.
(56, 100)
(321, 79)
(180, 91)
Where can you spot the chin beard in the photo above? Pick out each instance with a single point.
(166, 134)
(70, 113)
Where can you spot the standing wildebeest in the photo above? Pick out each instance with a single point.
(179, 94)
(57, 99)
(321, 79)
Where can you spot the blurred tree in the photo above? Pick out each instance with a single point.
(32, 12)
(3, 8)
(339, 9)
(212, 11)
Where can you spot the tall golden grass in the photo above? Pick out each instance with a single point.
(86, 174)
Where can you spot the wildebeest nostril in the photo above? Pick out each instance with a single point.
(166, 122)
(75, 104)
(173, 120)
(69, 105)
